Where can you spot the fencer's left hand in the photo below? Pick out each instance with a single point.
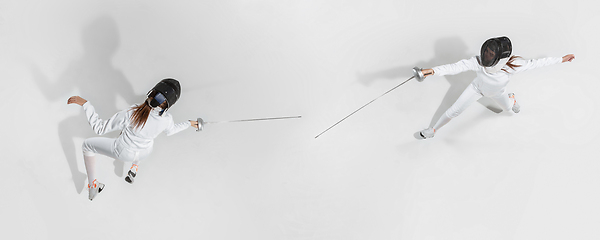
(77, 100)
(568, 58)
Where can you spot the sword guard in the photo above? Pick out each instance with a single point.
(417, 71)
(200, 124)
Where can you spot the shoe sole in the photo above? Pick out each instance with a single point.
(130, 177)
(129, 180)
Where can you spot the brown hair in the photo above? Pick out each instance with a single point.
(141, 112)
(510, 63)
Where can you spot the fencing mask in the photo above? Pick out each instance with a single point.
(167, 90)
(495, 53)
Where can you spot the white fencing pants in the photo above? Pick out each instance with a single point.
(108, 147)
(470, 95)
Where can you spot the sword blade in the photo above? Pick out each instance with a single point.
(254, 119)
(364, 106)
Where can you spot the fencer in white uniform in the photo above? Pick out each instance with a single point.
(494, 67)
(136, 140)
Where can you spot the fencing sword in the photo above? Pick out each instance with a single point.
(417, 73)
(201, 122)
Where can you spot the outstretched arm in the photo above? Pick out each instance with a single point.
(524, 65)
(100, 127)
(175, 128)
(453, 68)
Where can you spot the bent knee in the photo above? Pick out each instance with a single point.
(88, 149)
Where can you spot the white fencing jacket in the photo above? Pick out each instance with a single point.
(134, 139)
(492, 84)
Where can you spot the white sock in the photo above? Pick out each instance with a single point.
(441, 122)
(90, 168)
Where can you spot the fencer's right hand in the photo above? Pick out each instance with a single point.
(194, 124)
(77, 100)
(198, 124)
(427, 72)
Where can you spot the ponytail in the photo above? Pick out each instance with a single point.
(140, 115)
(510, 63)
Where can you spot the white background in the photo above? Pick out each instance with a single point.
(485, 175)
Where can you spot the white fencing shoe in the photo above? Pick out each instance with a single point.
(427, 133)
(131, 174)
(95, 188)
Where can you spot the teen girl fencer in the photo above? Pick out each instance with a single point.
(494, 67)
(139, 125)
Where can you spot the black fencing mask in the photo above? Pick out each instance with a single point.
(167, 90)
(493, 50)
